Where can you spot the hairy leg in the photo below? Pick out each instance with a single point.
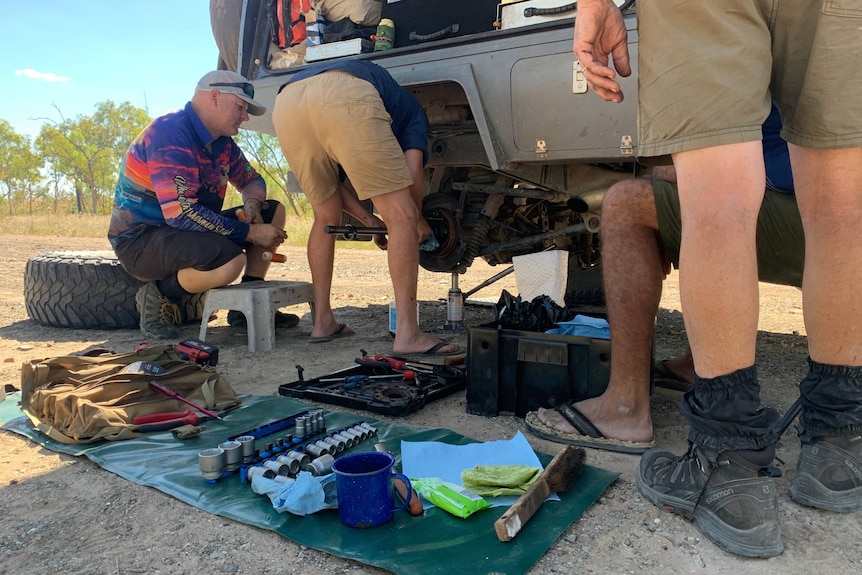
(633, 268)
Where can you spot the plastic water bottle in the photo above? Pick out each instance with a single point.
(393, 317)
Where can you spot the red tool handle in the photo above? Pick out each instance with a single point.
(164, 425)
(393, 363)
(156, 386)
(163, 416)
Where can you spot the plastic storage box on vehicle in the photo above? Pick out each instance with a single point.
(418, 21)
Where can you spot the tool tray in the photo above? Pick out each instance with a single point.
(388, 397)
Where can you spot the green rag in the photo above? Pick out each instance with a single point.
(497, 480)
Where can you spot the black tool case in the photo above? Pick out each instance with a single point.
(418, 21)
(388, 397)
(516, 371)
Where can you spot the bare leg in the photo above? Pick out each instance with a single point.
(721, 189)
(829, 192)
(401, 215)
(321, 258)
(633, 272)
(197, 281)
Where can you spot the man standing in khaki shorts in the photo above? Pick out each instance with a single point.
(708, 71)
(350, 117)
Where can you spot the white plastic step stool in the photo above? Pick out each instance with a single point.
(258, 301)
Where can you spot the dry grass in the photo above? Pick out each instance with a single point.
(96, 226)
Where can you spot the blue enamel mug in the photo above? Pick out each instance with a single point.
(363, 482)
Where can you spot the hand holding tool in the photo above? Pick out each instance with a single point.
(156, 386)
(557, 476)
(266, 256)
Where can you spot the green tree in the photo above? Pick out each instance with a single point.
(88, 149)
(19, 167)
(264, 152)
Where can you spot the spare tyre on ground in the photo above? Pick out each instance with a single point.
(89, 290)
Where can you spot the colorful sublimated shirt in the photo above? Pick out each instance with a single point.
(168, 177)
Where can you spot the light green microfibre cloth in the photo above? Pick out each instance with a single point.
(497, 480)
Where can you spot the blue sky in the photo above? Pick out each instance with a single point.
(77, 53)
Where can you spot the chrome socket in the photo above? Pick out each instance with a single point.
(338, 446)
(278, 467)
(322, 465)
(261, 471)
(247, 442)
(232, 453)
(212, 462)
(314, 451)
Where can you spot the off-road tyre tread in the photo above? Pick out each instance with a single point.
(86, 290)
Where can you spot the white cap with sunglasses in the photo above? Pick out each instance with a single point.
(228, 82)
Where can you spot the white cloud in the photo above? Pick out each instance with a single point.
(37, 75)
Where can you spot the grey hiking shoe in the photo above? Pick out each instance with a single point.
(160, 317)
(726, 496)
(829, 474)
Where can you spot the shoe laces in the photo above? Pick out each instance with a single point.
(688, 473)
(170, 314)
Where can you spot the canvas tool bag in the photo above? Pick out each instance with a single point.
(362, 12)
(87, 398)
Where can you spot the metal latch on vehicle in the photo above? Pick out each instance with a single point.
(579, 83)
(626, 146)
(541, 149)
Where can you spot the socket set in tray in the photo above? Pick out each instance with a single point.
(257, 452)
(377, 387)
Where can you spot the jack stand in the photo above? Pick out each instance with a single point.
(454, 307)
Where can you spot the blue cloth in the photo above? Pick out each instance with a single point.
(585, 326)
(430, 244)
(409, 122)
(306, 495)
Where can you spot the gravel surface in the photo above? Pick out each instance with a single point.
(66, 515)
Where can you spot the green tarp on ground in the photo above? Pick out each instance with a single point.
(433, 543)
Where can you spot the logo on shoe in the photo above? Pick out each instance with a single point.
(853, 468)
(718, 495)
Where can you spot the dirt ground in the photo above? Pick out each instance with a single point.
(66, 515)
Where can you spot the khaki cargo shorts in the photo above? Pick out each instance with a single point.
(708, 71)
(780, 238)
(334, 119)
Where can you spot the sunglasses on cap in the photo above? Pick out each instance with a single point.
(247, 88)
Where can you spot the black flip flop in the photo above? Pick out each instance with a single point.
(662, 376)
(588, 434)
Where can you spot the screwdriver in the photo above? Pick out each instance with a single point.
(156, 386)
(406, 376)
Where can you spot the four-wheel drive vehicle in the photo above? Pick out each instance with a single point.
(521, 152)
